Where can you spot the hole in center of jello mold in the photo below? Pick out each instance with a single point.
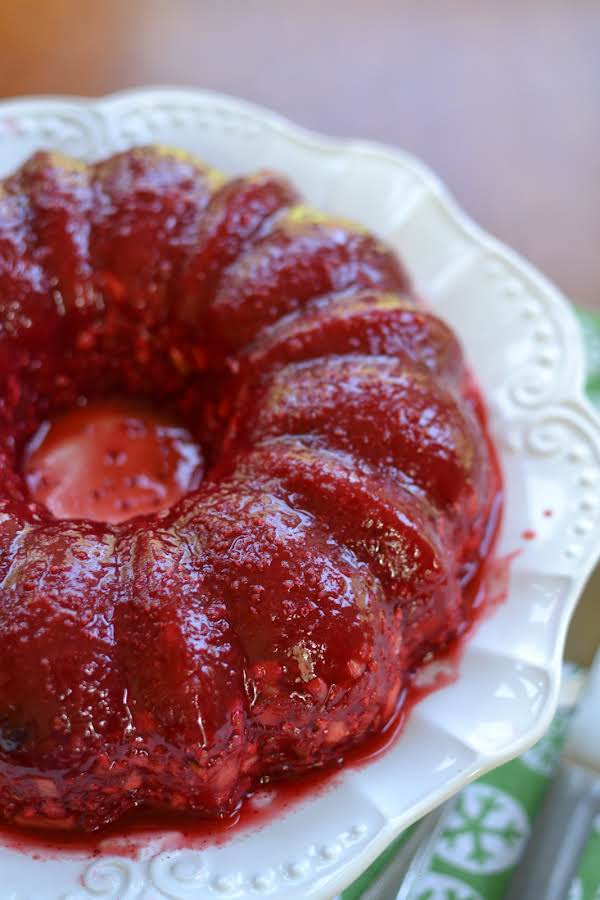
(111, 460)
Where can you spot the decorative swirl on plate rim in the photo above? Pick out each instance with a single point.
(186, 874)
(110, 878)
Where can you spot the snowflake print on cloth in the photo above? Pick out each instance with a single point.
(443, 887)
(575, 891)
(543, 756)
(486, 831)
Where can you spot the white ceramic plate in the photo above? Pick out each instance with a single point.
(524, 345)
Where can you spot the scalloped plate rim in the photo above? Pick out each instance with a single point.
(573, 393)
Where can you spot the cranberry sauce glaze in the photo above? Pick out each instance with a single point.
(271, 798)
(341, 495)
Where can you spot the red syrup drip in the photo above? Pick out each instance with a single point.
(111, 461)
(131, 836)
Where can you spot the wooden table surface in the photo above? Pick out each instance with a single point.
(500, 97)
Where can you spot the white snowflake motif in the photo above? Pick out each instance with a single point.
(486, 831)
(442, 887)
(576, 890)
(597, 824)
(543, 756)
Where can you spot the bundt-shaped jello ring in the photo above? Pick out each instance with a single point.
(271, 617)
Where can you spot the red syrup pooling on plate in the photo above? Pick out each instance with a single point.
(135, 832)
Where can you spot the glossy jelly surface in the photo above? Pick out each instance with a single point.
(256, 584)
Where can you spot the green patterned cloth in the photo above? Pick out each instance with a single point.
(488, 829)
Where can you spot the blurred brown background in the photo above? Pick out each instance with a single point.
(500, 97)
